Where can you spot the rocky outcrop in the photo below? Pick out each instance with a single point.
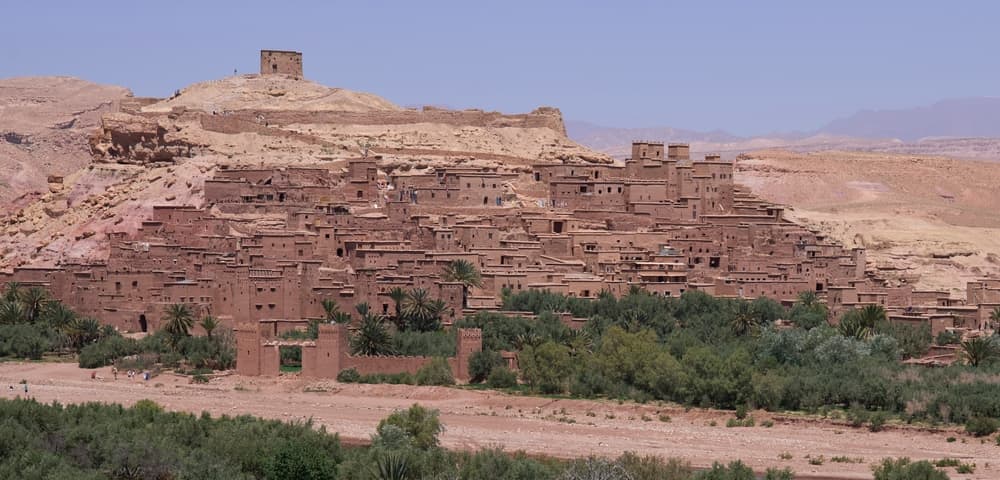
(138, 139)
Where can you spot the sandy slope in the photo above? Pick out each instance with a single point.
(44, 125)
(270, 92)
(475, 419)
(928, 220)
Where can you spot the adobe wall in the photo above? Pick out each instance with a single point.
(258, 354)
(543, 117)
(281, 62)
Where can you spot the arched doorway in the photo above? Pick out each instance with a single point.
(143, 325)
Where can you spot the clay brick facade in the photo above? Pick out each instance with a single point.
(659, 221)
(281, 62)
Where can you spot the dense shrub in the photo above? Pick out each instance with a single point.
(482, 363)
(903, 469)
(501, 377)
(106, 351)
(349, 375)
(435, 372)
(982, 427)
(436, 343)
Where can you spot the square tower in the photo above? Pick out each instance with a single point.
(282, 62)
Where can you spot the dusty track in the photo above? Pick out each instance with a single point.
(475, 419)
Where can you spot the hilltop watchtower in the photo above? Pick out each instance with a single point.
(283, 62)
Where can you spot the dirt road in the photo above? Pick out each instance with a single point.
(562, 428)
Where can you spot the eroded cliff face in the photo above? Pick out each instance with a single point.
(137, 139)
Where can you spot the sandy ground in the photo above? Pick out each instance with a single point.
(476, 419)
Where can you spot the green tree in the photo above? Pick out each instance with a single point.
(330, 309)
(372, 337)
(177, 322)
(481, 363)
(807, 298)
(995, 318)
(422, 313)
(398, 295)
(209, 323)
(435, 372)
(464, 272)
(422, 425)
(58, 315)
(546, 367)
(34, 300)
(744, 320)
(12, 292)
(83, 331)
(299, 459)
(11, 312)
(392, 466)
(861, 324)
(980, 350)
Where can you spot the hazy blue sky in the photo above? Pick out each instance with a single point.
(745, 66)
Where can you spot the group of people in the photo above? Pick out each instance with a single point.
(24, 384)
(114, 371)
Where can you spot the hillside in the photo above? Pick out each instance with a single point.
(44, 125)
(931, 221)
(145, 152)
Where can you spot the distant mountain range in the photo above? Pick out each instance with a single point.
(965, 127)
(960, 117)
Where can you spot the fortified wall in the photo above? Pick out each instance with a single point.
(258, 353)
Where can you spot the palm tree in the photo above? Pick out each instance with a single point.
(862, 324)
(372, 337)
(422, 313)
(872, 315)
(808, 298)
(12, 292)
(980, 350)
(341, 317)
(58, 315)
(11, 312)
(745, 319)
(464, 272)
(416, 304)
(209, 323)
(392, 466)
(83, 331)
(398, 294)
(330, 309)
(995, 318)
(851, 325)
(177, 320)
(34, 300)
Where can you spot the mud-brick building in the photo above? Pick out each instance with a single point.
(281, 62)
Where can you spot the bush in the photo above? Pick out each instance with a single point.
(420, 424)
(106, 351)
(502, 377)
(903, 469)
(779, 474)
(981, 427)
(876, 422)
(736, 470)
(948, 337)
(546, 367)
(349, 375)
(435, 372)
(481, 363)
